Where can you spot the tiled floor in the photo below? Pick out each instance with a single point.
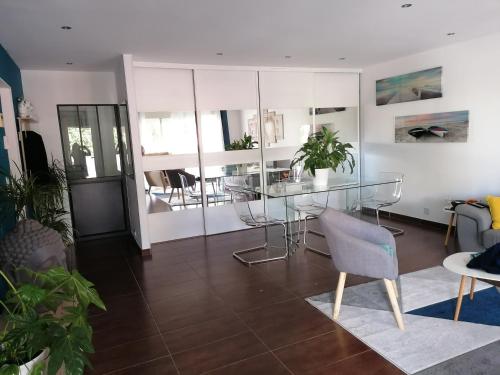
(192, 308)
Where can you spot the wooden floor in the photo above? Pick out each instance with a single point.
(192, 308)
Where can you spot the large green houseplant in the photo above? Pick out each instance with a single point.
(324, 151)
(40, 198)
(48, 314)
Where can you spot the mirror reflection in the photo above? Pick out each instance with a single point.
(343, 120)
(173, 189)
(219, 180)
(168, 133)
(286, 127)
(277, 171)
(229, 130)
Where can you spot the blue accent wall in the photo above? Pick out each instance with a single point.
(10, 73)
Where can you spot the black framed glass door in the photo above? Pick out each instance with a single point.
(91, 137)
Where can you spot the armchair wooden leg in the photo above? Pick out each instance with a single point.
(472, 286)
(338, 295)
(394, 303)
(395, 286)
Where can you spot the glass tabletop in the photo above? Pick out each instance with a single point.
(288, 188)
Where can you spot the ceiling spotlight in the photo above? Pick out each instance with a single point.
(450, 34)
(66, 27)
(288, 57)
(407, 5)
(69, 63)
(219, 54)
(342, 58)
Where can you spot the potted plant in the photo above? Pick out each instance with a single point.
(323, 151)
(40, 198)
(245, 143)
(44, 323)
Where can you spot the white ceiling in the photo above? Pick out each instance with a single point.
(248, 32)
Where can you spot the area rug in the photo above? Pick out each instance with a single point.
(431, 338)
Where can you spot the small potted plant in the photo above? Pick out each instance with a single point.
(44, 323)
(323, 151)
(245, 143)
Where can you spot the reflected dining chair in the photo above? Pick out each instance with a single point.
(364, 249)
(241, 203)
(188, 190)
(156, 178)
(385, 195)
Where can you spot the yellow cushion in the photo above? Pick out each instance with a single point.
(494, 203)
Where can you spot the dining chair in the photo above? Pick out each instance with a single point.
(241, 203)
(310, 207)
(364, 249)
(156, 178)
(384, 195)
(187, 189)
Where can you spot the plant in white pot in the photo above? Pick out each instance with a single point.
(323, 151)
(44, 325)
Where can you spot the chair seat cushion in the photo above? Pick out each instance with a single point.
(491, 237)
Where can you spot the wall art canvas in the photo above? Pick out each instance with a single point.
(274, 128)
(444, 127)
(253, 128)
(425, 84)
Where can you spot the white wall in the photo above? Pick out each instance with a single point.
(47, 89)
(437, 172)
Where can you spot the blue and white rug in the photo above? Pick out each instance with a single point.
(428, 300)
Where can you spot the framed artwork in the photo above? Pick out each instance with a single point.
(253, 128)
(444, 127)
(422, 85)
(274, 129)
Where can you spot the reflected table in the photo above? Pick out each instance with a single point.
(283, 199)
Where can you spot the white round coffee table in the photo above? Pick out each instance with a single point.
(457, 263)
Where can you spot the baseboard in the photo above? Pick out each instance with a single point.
(404, 218)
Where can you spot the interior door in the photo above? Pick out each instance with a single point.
(91, 138)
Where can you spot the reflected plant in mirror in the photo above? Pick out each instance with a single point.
(245, 143)
(324, 151)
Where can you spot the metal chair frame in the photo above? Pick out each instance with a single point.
(258, 221)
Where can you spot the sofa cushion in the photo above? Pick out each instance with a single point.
(494, 203)
(491, 237)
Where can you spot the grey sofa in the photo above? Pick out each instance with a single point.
(364, 249)
(474, 228)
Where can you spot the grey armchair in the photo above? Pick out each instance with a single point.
(363, 249)
(474, 228)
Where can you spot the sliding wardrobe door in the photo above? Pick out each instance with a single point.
(336, 107)
(227, 105)
(169, 142)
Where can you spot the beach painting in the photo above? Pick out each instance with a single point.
(444, 127)
(425, 84)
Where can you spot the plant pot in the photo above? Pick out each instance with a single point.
(321, 178)
(26, 368)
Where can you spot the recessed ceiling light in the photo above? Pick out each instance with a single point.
(288, 57)
(69, 63)
(65, 27)
(219, 54)
(342, 58)
(407, 5)
(450, 34)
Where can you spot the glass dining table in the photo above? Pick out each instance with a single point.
(289, 201)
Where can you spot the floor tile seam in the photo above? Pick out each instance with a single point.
(263, 343)
(239, 333)
(154, 318)
(236, 362)
(136, 365)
